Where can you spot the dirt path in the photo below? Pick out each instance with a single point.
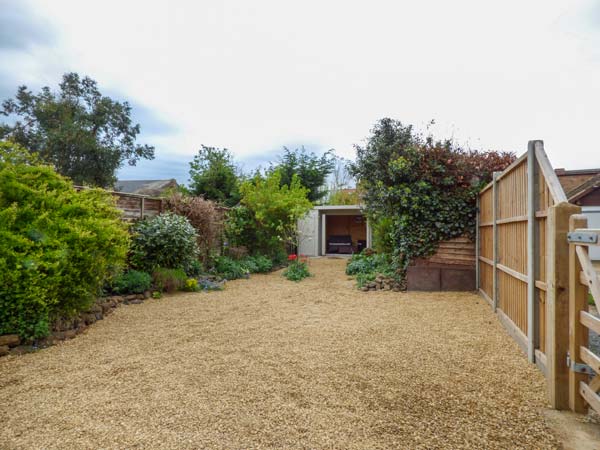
(269, 363)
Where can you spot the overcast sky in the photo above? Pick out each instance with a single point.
(256, 75)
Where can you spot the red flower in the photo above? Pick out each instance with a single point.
(292, 257)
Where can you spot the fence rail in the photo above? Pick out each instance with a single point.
(135, 206)
(522, 261)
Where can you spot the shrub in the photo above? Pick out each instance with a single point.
(167, 241)
(263, 264)
(367, 265)
(204, 217)
(169, 280)
(191, 285)
(229, 268)
(57, 246)
(267, 218)
(131, 282)
(194, 268)
(426, 188)
(296, 271)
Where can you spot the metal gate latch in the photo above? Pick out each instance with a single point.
(579, 367)
(584, 237)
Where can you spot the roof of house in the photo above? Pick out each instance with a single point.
(584, 188)
(572, 179)
(144, 187)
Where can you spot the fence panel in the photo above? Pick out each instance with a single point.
(519, 271)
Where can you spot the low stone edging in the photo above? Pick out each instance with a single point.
(62, 329)
(383, 283)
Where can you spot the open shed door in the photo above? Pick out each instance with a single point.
(308, 229)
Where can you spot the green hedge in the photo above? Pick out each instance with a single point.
(57, 246)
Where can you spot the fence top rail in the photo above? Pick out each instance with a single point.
(556, 190)
(121, 194)
(506, 171)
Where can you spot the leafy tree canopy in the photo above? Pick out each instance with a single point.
(83, 134)
(427, 188)
(213, 174)
(267, 217)
(311, 170)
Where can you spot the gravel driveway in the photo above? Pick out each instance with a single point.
(269, 363)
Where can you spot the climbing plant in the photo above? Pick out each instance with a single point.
(427, 189)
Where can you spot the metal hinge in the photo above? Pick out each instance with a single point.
(579, 367)
(584, 237)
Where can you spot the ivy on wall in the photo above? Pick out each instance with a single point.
(427, 189)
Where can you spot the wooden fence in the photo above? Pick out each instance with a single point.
(136, 206)
(522, 262)
(583, 278)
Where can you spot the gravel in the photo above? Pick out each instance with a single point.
(269, 363)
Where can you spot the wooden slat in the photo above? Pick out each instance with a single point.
(512, 220)
(595, 383)
(486, 297)
(590, 359)
(486, 260)
(583, 278)
(541, 285)
(589, 271)
(540, 361)
(590, 396)
(513, 273)
(592, 322)
(506, 171)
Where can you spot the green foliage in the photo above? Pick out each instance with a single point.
(194, 268)
(229, 268)
(213, 175)
(344, 197)
(57, 246)
(167, 240)
(203, 216)
(383, 229)
(83, 134)
(311, 170)
(296, 271)
(191, 285)
(262, 263)
(169, 280)
(156, 294)
(366, 266)
(267, 218)
(131, 282)
(426, 188)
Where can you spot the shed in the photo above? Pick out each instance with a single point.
(334, 230)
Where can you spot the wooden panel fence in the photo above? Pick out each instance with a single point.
(136, 206)
(522, 261)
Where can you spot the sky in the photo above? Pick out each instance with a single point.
(256, 76)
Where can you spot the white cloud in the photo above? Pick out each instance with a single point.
(252, 76)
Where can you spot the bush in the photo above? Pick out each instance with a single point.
(169, 280)
(132, 282)
(296, 271)
(191, 285)
(367, 265)
(267, 218)
(194, 268)
(229, 268)
(263, 264)
(167, 241)
(204, 217)
(57, 246)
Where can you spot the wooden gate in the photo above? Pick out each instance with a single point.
(522, 261)
(582, 361)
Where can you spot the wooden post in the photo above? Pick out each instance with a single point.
(142, 204)
(578, 334)
(324, 234)
(477, 250)
(533, 244)
(557, 303)
(495, 239)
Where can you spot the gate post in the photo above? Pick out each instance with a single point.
(557, 303)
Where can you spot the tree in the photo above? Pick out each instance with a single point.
(267, 217)
(213, 175)
(311, 170)
(86, 136)
(426, 188)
